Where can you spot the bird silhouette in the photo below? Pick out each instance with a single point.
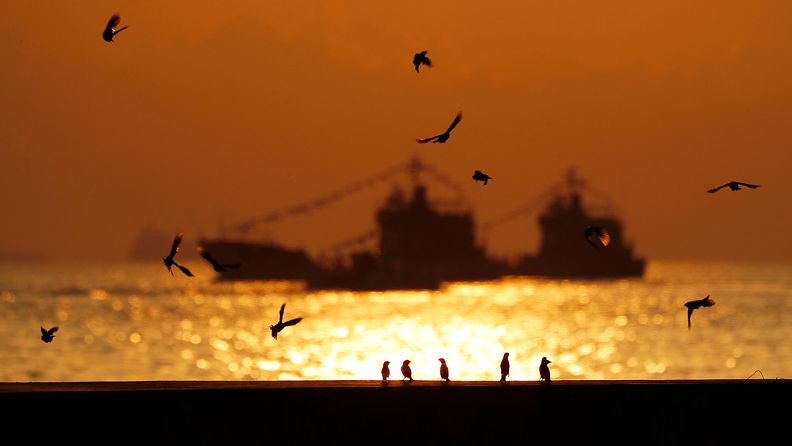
(169, 262)
(217, 266)
(443, 137)
(48, 335)
(504, 367)
(110, 30)
(443, 370)
(733, 185)
(281, 325)
(406, 371)
(385, 371)
(481, 176)
(599, 234)
(544, 370)
(420, 58)
(696, 304)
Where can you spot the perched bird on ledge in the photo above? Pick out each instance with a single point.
(544, 370)
(504, 366)
(385, 371)
(733, 185)
(406, 371)
(443, 370)
(696, 304)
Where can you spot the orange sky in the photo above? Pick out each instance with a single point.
(206, 111)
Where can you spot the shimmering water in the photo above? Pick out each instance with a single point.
(136, 322)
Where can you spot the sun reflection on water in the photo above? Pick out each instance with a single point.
(147, 330)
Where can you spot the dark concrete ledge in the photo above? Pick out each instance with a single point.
(226, 412)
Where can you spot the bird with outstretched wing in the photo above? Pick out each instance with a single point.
(110, 30)
(217, 266)
(733, 185)
(443, 137)
(281, 325)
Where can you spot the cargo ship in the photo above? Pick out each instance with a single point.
(420, 244)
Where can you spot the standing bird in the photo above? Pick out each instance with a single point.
(504, 367)
(733, 185)
(420, 58)
(696, 304)
(281, 325)
(110, 31)
(385, 371)
(544, 370)
(406, 371)
(48, 335)
(443, 370)
(599, 234)
(481, 176)
(443, 137)
(215, 264)
(169, 262)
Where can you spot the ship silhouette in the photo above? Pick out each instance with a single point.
(421, 245)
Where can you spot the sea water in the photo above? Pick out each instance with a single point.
(135, 321)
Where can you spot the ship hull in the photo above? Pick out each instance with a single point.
(570, 269)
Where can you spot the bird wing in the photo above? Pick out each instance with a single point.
(52, 330)
(280, 318)
(114, 21)
(205, 254)
(175, 246)
(752, 186)
(690, 312)
(604, 236)
(186, 271)
(292, 322)
(232, 265)
(427, 62)
(43, 331)
(717, 188)
(456, 121)
(425, 140)
(587, 234)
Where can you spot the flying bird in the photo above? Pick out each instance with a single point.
(597, 233)
(169, 262)
(406, 371)
(420, 58)
(696, 304)
(443, 370)
(48, 335)
(281, 325)
(733, 185)
(481, 176)
(443, 137)
(504, 367)
(217, 266)
(544, 370)
(110, 30)
(385, 371)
